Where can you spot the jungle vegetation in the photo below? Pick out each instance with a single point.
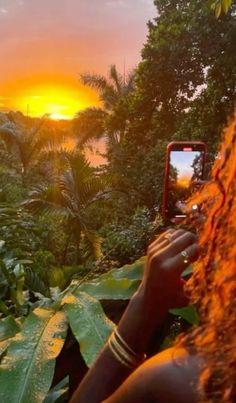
(72, 235)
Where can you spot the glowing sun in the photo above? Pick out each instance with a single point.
(57, 100)
(184, 181)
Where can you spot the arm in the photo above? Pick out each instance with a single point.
(161, 289)
(171, 377)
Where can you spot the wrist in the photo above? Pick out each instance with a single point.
(154, 302)
(141, 319)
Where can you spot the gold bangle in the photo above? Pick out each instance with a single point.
(133, 362)
(123, 352)
(123, 343)
(119, 357)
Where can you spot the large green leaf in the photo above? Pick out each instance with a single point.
(132, 271)
(8, 328)
(27, 369)
(111, 288)
(188, 313)
(89, 324)
(115, 284)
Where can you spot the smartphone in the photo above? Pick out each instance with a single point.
(184, 171)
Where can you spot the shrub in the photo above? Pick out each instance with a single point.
(126, 243)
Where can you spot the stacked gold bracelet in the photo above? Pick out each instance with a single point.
(122, 351)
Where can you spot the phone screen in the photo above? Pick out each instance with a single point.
(185, 170)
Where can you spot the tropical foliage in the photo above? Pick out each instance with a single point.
(221, 5)
(109, 121)
(29, 350)
(65, 224)
(69, 196)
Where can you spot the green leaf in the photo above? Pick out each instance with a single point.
(58, 392)
(27, 369)
(2, 243)
(89, 324)
(188, 313)
(132, 271)
(226, 5)
(218, 9)
(5, 272)
(34, 283)
(56, 277)
(115, 284)
(187, 271)
(8, 328)
(111, 288)
(4, 345)
(4, 308)
(167, 343)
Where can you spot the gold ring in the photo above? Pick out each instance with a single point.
(185, 257)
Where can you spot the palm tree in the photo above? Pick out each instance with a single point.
(109, 121)
(26, 139)
(69, 197)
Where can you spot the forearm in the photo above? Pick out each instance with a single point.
(136, 327)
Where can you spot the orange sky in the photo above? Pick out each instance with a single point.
(45, 45)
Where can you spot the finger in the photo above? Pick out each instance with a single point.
(181, 243)
(164, 235)
(179, 262)
(165, 239)
(176, 234)
(160, 239)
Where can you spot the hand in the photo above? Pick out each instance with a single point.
(162, 281)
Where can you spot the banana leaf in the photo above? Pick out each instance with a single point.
(110, 288)
(89, 324)
(27, 369)
(116, 284)
(132, 271)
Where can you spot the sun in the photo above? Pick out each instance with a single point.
(56, 101)
(60, 99)
(58, 116)
(184, 181)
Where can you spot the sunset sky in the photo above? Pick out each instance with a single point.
(183, 165)
(46, 44)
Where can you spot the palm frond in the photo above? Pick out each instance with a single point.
(34, 283)
(109, 97)
(130, 82)
(79, 165)
(47, 200)
(91, 245)
(116, 78)
(89, 125)
(72, 182)
(10, 135)
(94, 81)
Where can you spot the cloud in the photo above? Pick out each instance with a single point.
(147, 3)
(117, 4)
(3, 11)
(5, 7)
